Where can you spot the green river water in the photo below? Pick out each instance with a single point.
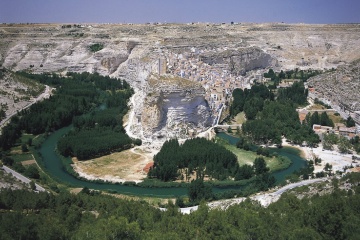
(54, 167)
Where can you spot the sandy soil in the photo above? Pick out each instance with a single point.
(336, 159)
(117, 167)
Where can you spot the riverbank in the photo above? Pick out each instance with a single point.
(338, 160)
(118, 167)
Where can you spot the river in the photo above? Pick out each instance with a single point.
(292, 153)
(54, 167)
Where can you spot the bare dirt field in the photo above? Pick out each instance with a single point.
(117, 167)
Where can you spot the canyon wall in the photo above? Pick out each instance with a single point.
(207, 54)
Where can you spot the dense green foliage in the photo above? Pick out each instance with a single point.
(91, 143)
(96, 47)
(250, 101)
(350, 122)
(95, 134)
(322, 119)
(199, 154)
(278, 119)
(269, 119)
(88, 215)
(296, 94)
(303, 75)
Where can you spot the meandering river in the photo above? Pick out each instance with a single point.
(54, 167)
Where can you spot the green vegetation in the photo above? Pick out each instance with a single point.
(296, 94)
(274, 162)
(322, 119)
(303, 75)
(95, 134)
(87, 144)
(96, 47)
(250, 101)
(199, 154)
(350, 122)
(91, 215)
(269, 119)
(344, 145)
(355, 142)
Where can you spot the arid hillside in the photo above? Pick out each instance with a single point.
(220, 57)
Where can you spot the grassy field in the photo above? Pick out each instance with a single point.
(248, 157)
(240, 118)
(22, 157)
(336, 119)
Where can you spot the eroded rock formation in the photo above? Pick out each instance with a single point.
(174, 107)
(211, 55)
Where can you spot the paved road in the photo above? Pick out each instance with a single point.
(265, 199)
(298, 184)
(23, 178)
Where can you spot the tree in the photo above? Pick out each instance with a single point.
(325, 120)
(329, 140)
(29, 141)
(344, 145)
(328, 168)
(198, 190)
(24, 148)
(350, 122)
(32, 185)
(32, 172)
(229, 130)
(8, 161)
(260, 166)
(244, 172)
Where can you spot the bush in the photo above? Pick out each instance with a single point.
(8, 161)
(96, 47)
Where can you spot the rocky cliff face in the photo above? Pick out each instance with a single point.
(201, 52)
(239, 61)
(339, 88)
(174, 107)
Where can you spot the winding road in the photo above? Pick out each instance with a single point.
(264, 198)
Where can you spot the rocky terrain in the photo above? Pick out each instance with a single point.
(16, 93)
(216, 57)
(340, 88)
(174, 103)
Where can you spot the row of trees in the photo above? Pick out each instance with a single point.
(91, 143)
(303, 75)
(199, 154)
(88, 215)
(322, 119)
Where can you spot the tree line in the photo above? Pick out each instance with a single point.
(91, 215)
(200, 155)
(76, 94)
(270, 117)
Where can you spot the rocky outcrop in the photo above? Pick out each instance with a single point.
(339, 88)
(209, 54)
(239, 61)
(175, 107)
